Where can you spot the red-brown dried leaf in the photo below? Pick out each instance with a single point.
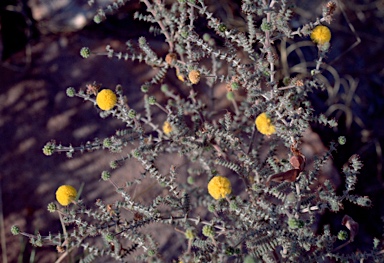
(288, 176)
(352, 225)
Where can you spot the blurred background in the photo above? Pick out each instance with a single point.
(39, 44)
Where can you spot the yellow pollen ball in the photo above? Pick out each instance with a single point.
(106, 99)
(65, 194)
(194, 76)
(321, 35)
(219, 187)
(264, 125)
(167, 128)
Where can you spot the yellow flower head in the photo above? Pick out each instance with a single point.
(106, 99)
(194, 76)
(321, 35)
(219, 187)
(65, 194)
(167, 128)
(264, 125)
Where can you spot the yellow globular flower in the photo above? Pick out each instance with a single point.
(106, 99)
(264, 125)
(167, 128)
(194, 76)
(219, 187)
(65, 194)
(321, 35)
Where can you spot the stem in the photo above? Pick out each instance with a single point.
(162, 108)
(267, 43)
(163, 29)
(251, 143)
(341, 246)
(234, 103)
(63, 225)
(113, 183)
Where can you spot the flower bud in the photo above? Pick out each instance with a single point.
(113, 164)
(105, 175)
(52, 207)
(342, 235)
(342, 140)
(70, 92)
(145, 88)
(222, 28)
(171, 58)
(152, 100)
(15, 230)
(85, 52)
(49, 148)
(107, 142)
(131, 113)
(164, 88)
(208, 231)
(97, 19)
(266, 26)
(189, 234)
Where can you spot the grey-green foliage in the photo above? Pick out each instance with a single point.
(257, 222)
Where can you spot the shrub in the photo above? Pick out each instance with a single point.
(249, 137)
